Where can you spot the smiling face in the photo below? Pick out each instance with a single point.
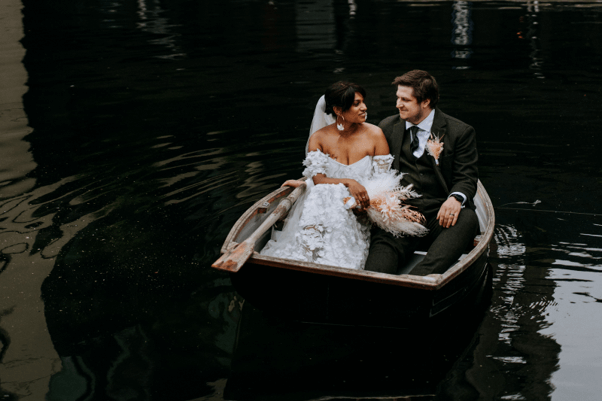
(409, 108)
(357, 113)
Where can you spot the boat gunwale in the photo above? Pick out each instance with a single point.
(251, 212)
(432, 282)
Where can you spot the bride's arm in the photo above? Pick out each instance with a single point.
(292, 183)
(356, 189)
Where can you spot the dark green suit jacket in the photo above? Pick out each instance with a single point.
(457, 170)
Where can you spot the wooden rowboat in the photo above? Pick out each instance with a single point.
(329, 294)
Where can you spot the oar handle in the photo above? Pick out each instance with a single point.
(283, 207)
(234, 259)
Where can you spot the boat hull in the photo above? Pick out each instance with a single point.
(324, 299)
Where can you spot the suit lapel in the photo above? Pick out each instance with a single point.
(396, 141)
(439, 128)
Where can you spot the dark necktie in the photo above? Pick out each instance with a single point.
(414, 144)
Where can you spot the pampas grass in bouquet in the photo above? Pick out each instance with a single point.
(387, 209)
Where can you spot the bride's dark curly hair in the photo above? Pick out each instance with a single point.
(341, 94)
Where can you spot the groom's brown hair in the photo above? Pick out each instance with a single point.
(424, 84)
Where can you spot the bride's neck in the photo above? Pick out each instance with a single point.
(349, 130)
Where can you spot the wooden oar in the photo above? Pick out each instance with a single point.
(233, 259)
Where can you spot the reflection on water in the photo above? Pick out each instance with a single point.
(151, 21)
(275, 359)
(576, 268)
(461, 31)
(511, 341)
(133, 135)
(315, 25)
(532, 35)
(26, 352)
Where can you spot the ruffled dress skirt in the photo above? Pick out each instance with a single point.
(321, 230)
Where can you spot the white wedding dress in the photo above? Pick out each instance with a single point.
(319, 228)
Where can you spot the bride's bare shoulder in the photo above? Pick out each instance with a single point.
(320, 137)
(374, 130)
(378, 138)
(325, 134)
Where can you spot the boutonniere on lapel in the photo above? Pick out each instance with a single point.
(434, 146)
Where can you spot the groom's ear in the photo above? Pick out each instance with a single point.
(426, 103)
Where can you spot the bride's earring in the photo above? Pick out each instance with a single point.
(340, 126)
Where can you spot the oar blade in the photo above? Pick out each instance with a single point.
(234, 260)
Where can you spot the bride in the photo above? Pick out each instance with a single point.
(343, 154)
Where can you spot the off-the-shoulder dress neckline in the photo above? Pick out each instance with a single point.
(342, 164)
(348, 165)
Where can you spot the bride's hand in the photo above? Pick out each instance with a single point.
(359, 193)
(292, 183)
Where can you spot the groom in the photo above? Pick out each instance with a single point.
(447, 185)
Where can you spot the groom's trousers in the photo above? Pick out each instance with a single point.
(388, 254)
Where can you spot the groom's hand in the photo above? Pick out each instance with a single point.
(449, 212)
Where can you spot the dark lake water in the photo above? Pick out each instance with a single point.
(133, 134)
